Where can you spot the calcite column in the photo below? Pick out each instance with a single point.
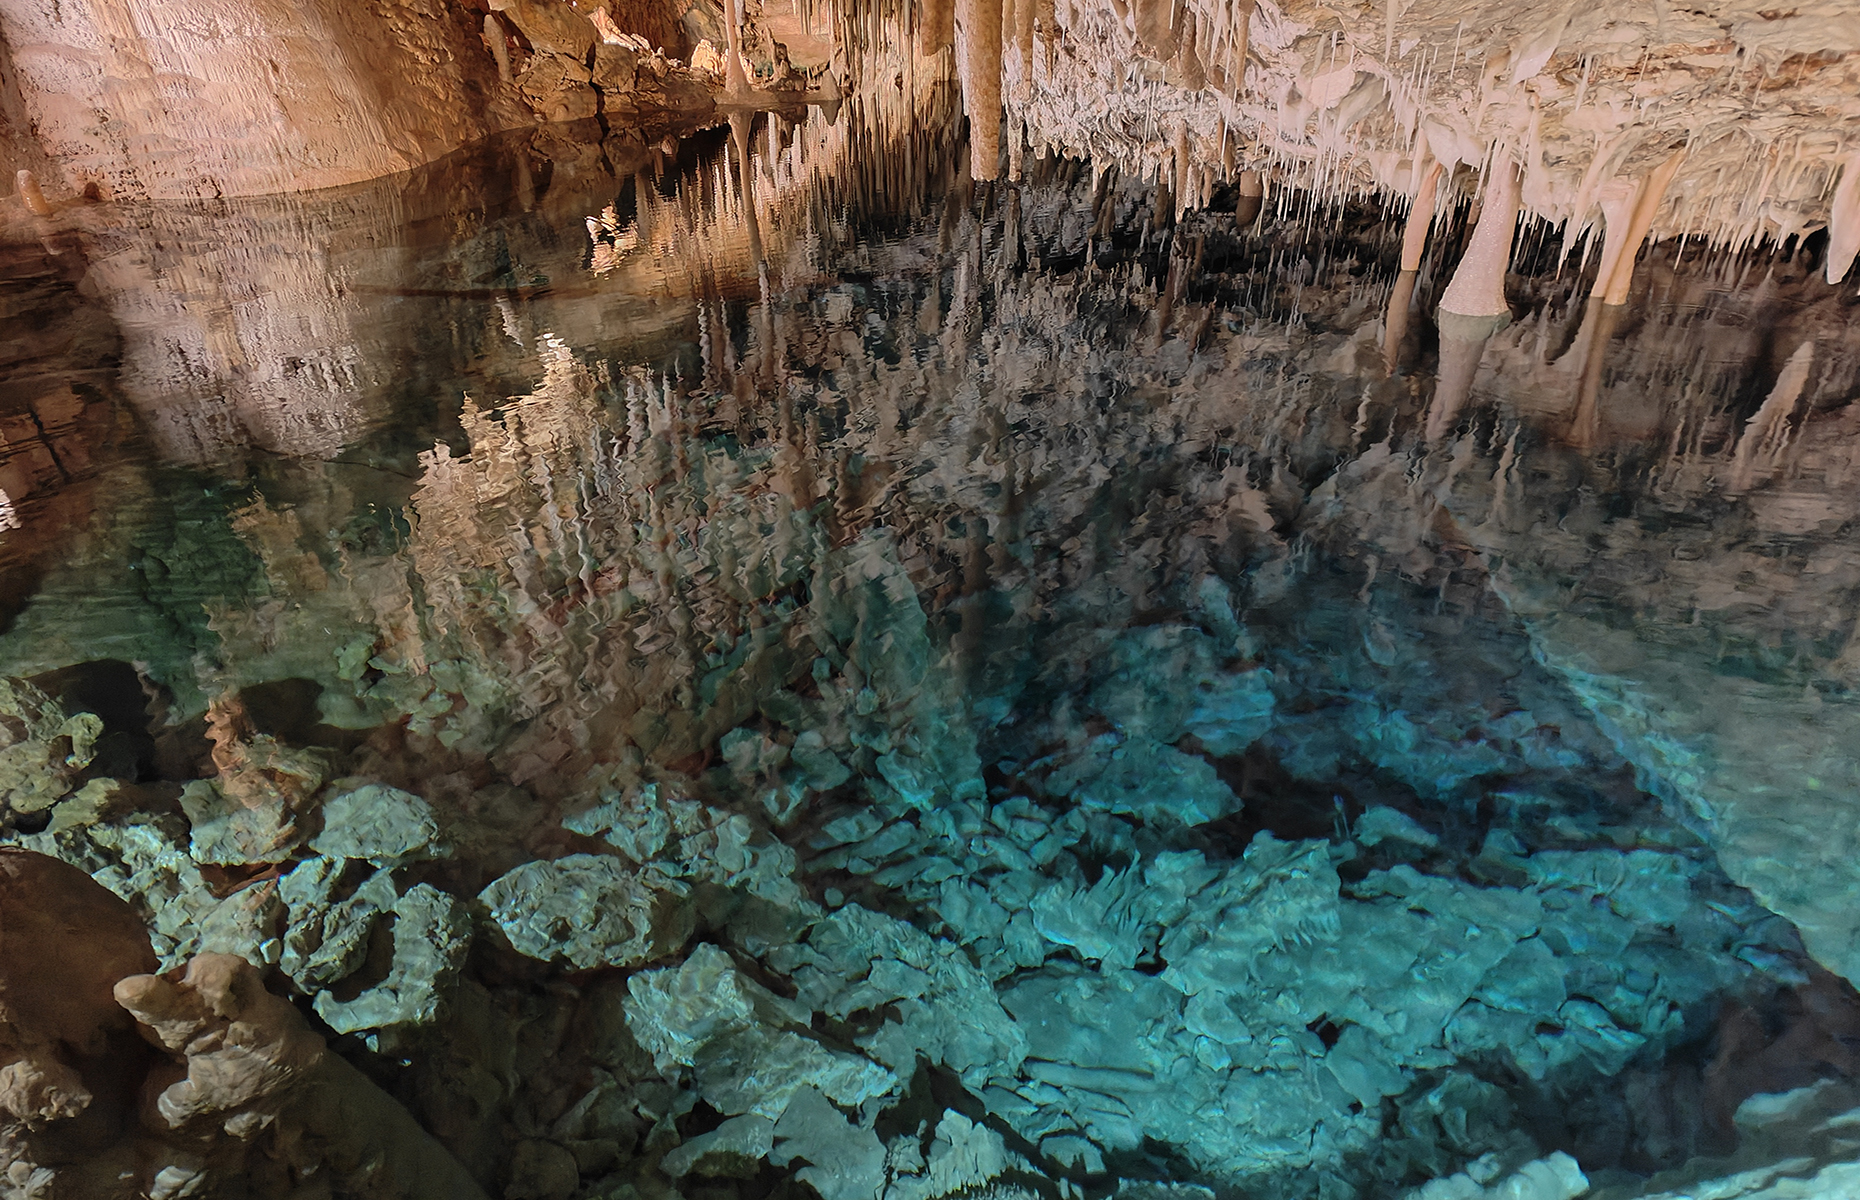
(978, 44)
(1478, 286)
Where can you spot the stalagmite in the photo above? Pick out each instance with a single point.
(1597, 332)
(494, 38)
(734, 80)
(1252, 198)
(1478, 287)
(1420, 219)
(937, 27)
(1647, 202)
(30, 195)
(979, 31)
(1844, 223)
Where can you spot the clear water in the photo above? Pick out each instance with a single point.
(1103, 683)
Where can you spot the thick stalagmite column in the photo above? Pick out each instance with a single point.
(1478, 287)
(978, 45)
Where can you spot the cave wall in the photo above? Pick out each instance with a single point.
(188, 99)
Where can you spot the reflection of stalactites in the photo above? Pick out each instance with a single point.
(526, 182)
(739, 136)
(1598, 330)
(1462, 345)
(1395, 323)
(1767, 434)
(978, 40)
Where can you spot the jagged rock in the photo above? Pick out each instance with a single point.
(1554, 1178)
(1381, 824)
(963, 1157)
(741, 1040)
(379, 823)
(261, 1093)
(858, 961)
(558, 87)
(146, 861)
(844, 1162)
(226, 831)
(733, 1148)
(42, 750)
(542, 1170)
(691, 841)
(590, 910)
(551, 27)
(1144, 778)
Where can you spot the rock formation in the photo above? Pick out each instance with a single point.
(648, 660)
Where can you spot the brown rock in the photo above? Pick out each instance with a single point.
(550, 26)
(65, 941)
(615, 68)
(558, 87)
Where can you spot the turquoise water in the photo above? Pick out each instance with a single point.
(726, 662)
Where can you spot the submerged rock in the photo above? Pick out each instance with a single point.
(590, 910)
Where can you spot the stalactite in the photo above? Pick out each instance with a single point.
(1617, 200)
(30, 195)
(1236, 60)
(1650, 194)
(937, 26)
(1023, 39)
(979, 32)
(1188, 57)
(1478, 287)
(1156, 28)
(494, 38)
(734, 80)
(1181, 167)
(1420, 219)
(1252, 198)
(1844, 223)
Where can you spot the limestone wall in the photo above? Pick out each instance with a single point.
(181, 99)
